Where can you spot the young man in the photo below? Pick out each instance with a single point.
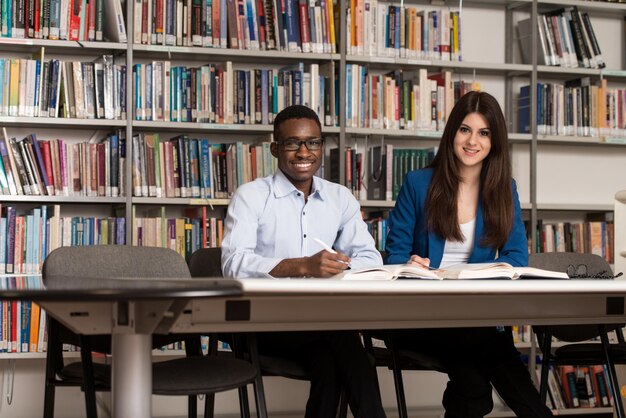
(271, 231)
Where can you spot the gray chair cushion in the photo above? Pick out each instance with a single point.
(202, 374)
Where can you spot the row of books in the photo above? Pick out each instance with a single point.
(579, 387)
(27, 238)
(22, 323)
(73, 20)
(401, 100)
(69, 89)
(190, 167)
(577, 107)
(566, 38)
(378, 226)
(288, 25)
(596, 237)
(55, 167)
(387, 166)
(388, 30)
(182, 234)
(222, 94)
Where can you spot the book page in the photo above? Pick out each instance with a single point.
(497, 270)
(389, 272)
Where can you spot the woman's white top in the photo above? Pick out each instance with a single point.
(456, 252)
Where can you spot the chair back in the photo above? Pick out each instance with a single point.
(206, 262)
(95, 261)
(595, 265)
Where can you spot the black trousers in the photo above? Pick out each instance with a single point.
(336, 360)
(476, 359)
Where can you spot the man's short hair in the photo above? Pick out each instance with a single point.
(295, 112)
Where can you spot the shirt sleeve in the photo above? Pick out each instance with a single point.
(402, 219)
(515, 250)
(240, 239)
(354, 240)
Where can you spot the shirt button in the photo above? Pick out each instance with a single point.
(303, 213)
(298, 194)
(304, 235)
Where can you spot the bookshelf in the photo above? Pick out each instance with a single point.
(547, 167)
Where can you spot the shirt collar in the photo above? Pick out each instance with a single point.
(284, 187)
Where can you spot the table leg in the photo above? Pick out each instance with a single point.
(132, 375)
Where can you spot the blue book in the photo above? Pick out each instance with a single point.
(122, 90)
(55, 73)
(223, 25)
(349, 109)
(246, 101)
(2, 81)
(40, 165)
(264, 97)
(137, 103)
(254, 41)
(35, 103)
(120, 231)
(148, 96)
(205, 169)
(25, 324)
(114, 164)
(293, 26)
(194, 170)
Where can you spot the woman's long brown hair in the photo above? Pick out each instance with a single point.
(495, 176)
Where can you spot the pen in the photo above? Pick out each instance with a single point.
(328, 248)
(325, 246)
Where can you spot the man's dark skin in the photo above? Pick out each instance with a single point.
(299, 167)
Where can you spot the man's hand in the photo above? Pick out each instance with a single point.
(326, 264)
(321, 265)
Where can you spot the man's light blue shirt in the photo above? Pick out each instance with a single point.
(268, 220)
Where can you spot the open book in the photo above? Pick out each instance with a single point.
(459, 271)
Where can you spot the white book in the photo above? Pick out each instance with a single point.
(115, 27)
(228, 94)
(137, 14)
(472, 271)
(66, 11)
(166, 90)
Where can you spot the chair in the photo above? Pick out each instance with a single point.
(398, 360)
(190, 376)
(579, 353)
(207, 262)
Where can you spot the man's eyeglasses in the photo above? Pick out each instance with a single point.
(290, 144)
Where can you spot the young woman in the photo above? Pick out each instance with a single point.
(464, 208)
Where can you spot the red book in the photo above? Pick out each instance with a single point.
(216, 29)
(91, 22)
(260, 9)
(37, 20)
(305, 32)
(102, 171)
(158, 22)
(74, 21)
(47, 160)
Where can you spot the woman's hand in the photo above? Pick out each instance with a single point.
(416, 260)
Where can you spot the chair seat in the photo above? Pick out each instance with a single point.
(276, 366)
(184, 376)
(73, 374)
(422, 361)
(587, 353)
(202, 374)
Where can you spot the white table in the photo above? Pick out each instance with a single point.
(306, 304)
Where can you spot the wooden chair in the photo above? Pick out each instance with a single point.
(192, 375)
(580, 352)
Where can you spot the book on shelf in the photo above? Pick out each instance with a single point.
(498, 270)
(565, 38)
